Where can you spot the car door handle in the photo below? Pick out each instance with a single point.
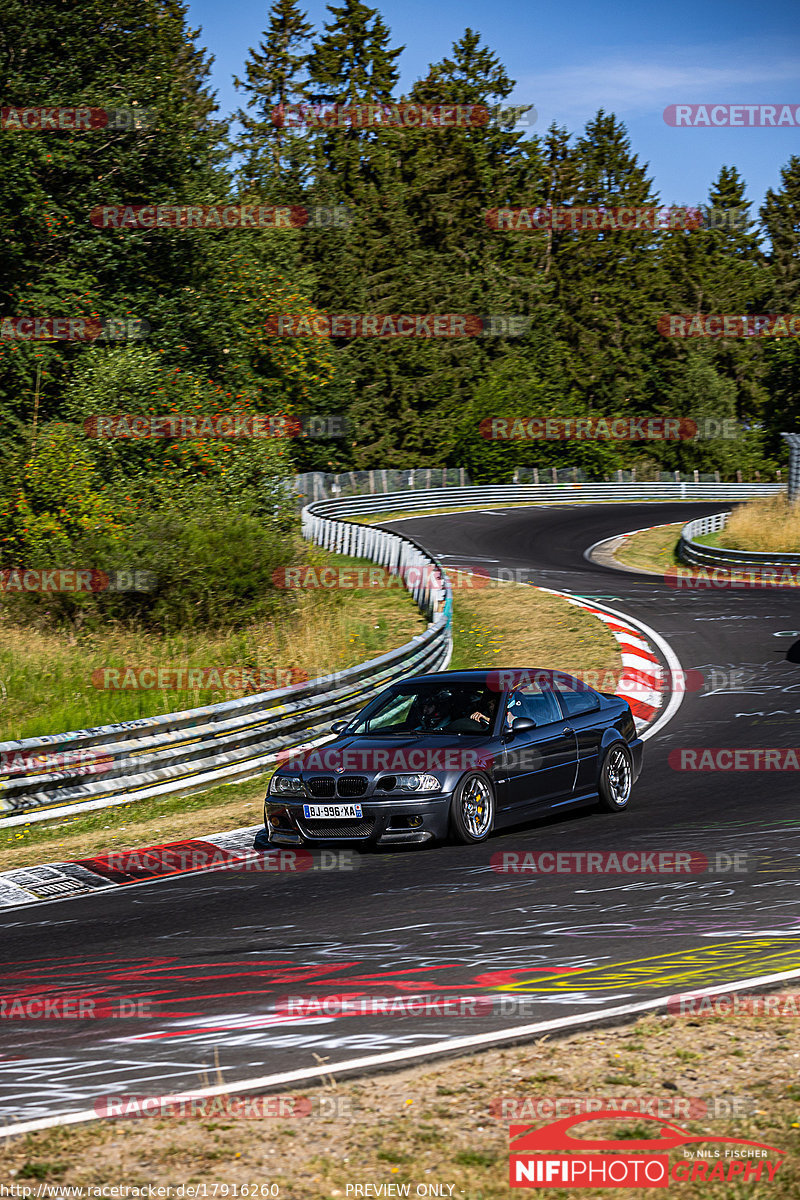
(568, 729)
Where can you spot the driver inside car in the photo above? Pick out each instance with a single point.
(513, 709)
(435, 710)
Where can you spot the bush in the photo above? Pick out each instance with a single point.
(213, 568)
(212, 542)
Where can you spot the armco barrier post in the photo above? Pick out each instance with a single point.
(793, 441)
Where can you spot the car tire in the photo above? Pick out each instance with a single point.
(472, 809)
(616, 779)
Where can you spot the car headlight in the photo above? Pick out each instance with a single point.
(417, 783)
(287, 785)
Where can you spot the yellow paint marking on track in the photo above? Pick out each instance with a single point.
(702, 965)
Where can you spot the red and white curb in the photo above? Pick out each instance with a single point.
(118, 868)
(644, 682)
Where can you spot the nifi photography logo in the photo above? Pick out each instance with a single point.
(633, 1161)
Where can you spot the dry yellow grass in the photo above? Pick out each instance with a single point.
(652, 549)
(764, 525)
(514, 625)
(46, 678)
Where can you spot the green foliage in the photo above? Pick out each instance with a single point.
(422, 244)
(136, 382)
(212, 517)
(58, 499)
(208, 556)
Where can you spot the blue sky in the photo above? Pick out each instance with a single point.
(570, 59)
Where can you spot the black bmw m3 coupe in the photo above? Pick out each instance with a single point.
(457, 754)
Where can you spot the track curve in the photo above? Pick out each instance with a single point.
(213, 955)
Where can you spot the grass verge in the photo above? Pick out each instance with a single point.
(651, 550)
(437, 1124)
(514, 625)
(48, 684)
(502, 625)
(766, 525)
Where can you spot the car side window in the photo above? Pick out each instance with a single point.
(577, 700)
(538, 704)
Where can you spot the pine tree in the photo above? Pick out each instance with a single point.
(715, 268)
(780, 216)
(605, 281)
(53, 261)
(276, 158)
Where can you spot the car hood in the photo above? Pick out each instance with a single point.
(415, 753)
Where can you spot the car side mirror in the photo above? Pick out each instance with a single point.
(338, 726)
(522, 724)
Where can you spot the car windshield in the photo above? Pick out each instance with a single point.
(427, 708)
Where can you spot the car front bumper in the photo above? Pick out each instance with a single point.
(404, 820)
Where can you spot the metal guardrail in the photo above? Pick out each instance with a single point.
(502, 494)
(312, 486)
(238, 739)
(699, 555)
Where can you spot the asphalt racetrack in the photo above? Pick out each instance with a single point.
(213, 958)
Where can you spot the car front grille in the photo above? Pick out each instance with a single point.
(337, 829)
(325, 786)
(352, 785)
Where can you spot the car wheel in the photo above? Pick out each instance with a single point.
(472, 809)
(616, 779)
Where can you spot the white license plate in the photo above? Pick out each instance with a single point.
(322, 812)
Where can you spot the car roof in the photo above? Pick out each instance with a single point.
(480, 676)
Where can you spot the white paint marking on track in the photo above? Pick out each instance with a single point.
(398, 1058)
